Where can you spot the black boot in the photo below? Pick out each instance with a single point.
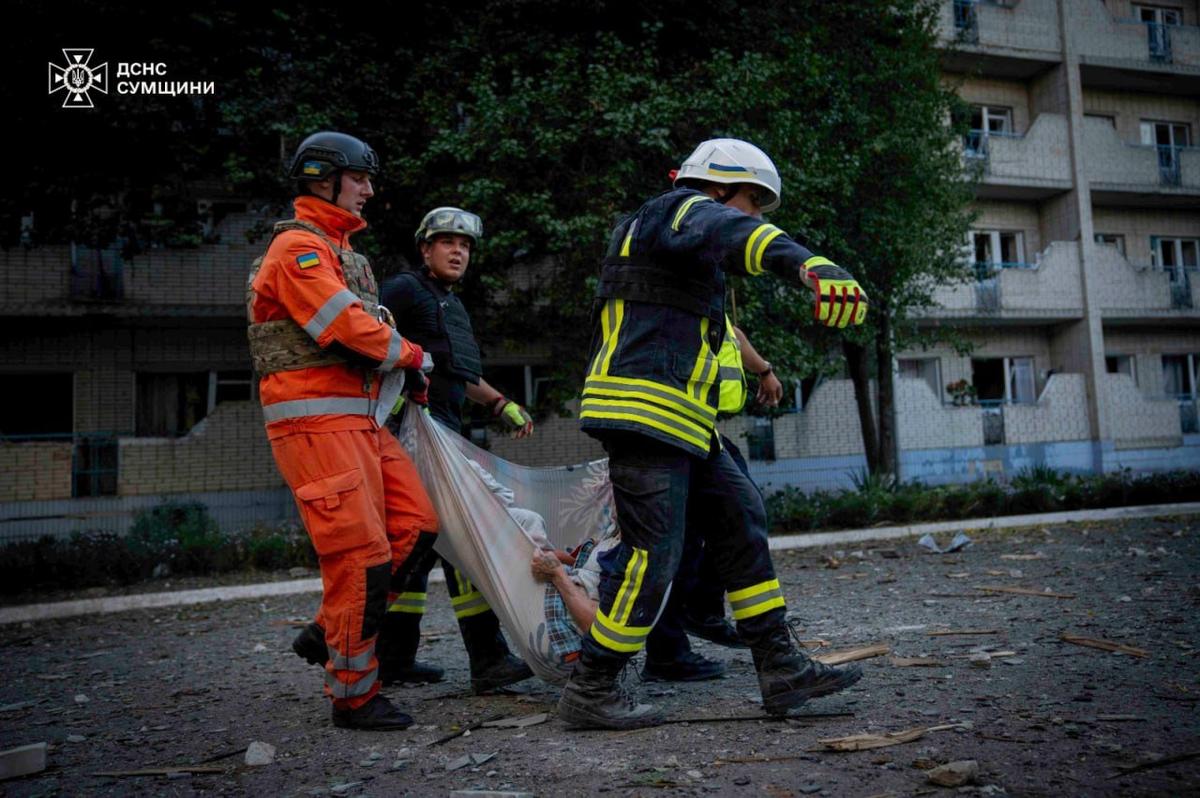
(378, 714)
(594, 698)
(399, 637)
(788, 677)
(492, 665)
(309, 645)
(687, 667)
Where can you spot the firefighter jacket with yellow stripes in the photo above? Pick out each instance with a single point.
(661, 314)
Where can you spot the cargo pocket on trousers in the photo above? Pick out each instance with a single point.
(334, 510)
(643, 499)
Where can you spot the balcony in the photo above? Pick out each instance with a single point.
(1046, 291)
(1139, 175)
(1143, 294)
(1138, 421)
(1033, 166)
(1000, 39)
(1125, 54)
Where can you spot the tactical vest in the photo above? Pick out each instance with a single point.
(731, 373)
(642, 280)
(283, 345)
(454, 338)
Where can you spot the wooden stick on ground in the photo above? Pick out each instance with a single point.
(853, 654)
(1104, 645)
(1023, 591)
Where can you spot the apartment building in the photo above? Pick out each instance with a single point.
(129, 379)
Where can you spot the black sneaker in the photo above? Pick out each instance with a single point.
(309, 645)
(378, 714)
(714, 629)
(689, 667)
(499, 673)
(411, 673)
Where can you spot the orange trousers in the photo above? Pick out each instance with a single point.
(363, 506)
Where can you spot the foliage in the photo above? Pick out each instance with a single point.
(1032, 490)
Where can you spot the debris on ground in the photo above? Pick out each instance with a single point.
(916, 662)
(854, 654)
(1024, 591)
(956, 632)
(259, 754)
(517, 722)
(469, 759)
(864, 742)
(954, 774)
(161, 771)
(1104, 645)
(960, 542)
(22, 761)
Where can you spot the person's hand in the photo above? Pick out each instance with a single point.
(416, 355)
(514, 416)
(840, 300)
(770, 389)
(416, 385)
(545, 566)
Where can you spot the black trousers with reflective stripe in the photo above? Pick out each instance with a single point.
(697, 590)
(655, 487)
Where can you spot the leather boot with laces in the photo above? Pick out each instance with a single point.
(309, 645)
(399, 637)
(788, 677)
(378, 714)
(595, 698)
(492, 665)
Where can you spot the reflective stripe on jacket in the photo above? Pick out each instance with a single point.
(301, 279)
(654, 363)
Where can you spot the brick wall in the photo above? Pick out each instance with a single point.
(926, 423)
(1122, 286)
(1137, 421)
(1104, 34)
(226, 451)
(555, 442)
(1129, 108)
(1011, 216)
(1028, 25)
(1053, 285)
(1042, 154)
(35, 471)
(1060, 413)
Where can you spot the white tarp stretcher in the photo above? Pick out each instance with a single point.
(481, 534)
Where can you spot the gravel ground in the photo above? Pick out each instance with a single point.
(1040, 716)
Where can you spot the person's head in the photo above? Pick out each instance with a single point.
(445, 240)
(734, 173)
(337, 168)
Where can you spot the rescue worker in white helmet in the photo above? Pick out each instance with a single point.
(650, 397)
(428, 310)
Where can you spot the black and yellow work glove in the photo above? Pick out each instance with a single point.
(840, 301)
(513, 415)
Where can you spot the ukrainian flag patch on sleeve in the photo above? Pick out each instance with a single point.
(308, 260)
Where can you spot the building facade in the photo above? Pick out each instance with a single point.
(129, 377)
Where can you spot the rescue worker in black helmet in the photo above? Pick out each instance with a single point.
(428, 310)
(650, 397)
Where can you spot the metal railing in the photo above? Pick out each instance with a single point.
(1169, 173)
(1181, 287)
(1158, 37)
(1189, 419)
(992, 412)
(966, 20)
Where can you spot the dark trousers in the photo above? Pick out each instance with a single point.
(655, 487)
(697, 591)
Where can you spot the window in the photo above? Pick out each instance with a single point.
(760, 439)
(229, 386)
(1121, 364)
(37, 405)
(1112, 240)
(991, 119)
(1007, 380)
(1175, 254)
(925, 368)
(1158, 15)
(1179, 375)
(169, 405)
(1169, 138)
(996, 249)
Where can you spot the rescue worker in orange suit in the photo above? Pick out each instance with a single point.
(322, 350)
(429, 312)
(650, 397)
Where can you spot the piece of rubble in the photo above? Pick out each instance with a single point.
(864, 742)
(22, 761)
(954, 774)
(259, 754)
(1104, 645)
(854, 654)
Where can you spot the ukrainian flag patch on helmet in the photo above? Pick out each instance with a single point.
(720, 170)
(308, 260)
(312, 168)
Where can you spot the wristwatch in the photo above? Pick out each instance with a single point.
(765, 371)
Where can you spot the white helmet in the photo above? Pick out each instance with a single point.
(733, 161)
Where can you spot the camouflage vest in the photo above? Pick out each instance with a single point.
(283, 345)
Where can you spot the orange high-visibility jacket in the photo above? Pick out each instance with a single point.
(301, 279)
